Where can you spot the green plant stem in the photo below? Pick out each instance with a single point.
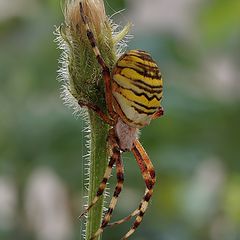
(98, 160)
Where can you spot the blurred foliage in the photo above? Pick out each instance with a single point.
(201, 124)
(220, 20)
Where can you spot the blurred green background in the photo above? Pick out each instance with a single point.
(194, 147)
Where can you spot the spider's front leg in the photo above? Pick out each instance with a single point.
(105, 69)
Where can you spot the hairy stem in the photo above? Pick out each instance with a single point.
(98, 160)
(82, 80)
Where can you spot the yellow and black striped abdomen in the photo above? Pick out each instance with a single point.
(136, 88)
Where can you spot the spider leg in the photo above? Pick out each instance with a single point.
(103, 183)
(158, 113)
(148, 173)
(105, 70)
(113, 202)
(139, 150)
(97, 110)
(125, 219)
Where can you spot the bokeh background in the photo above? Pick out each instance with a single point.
(195, 147)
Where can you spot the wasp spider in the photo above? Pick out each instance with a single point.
(133, 91)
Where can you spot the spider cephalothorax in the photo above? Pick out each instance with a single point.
(133, 91)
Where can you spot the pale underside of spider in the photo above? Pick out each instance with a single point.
(133, 91)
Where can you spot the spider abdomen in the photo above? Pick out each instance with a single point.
(136, 88)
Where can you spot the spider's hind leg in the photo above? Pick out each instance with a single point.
(102, 185)
(114, 156)
(148, 174)
(127, 218)
(113, 202)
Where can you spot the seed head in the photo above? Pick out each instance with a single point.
(79, 70)
(95, 13)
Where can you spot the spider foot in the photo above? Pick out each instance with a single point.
(125, 219)
(82, 214)
(89, 207)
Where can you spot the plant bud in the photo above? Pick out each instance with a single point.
(79, 70)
